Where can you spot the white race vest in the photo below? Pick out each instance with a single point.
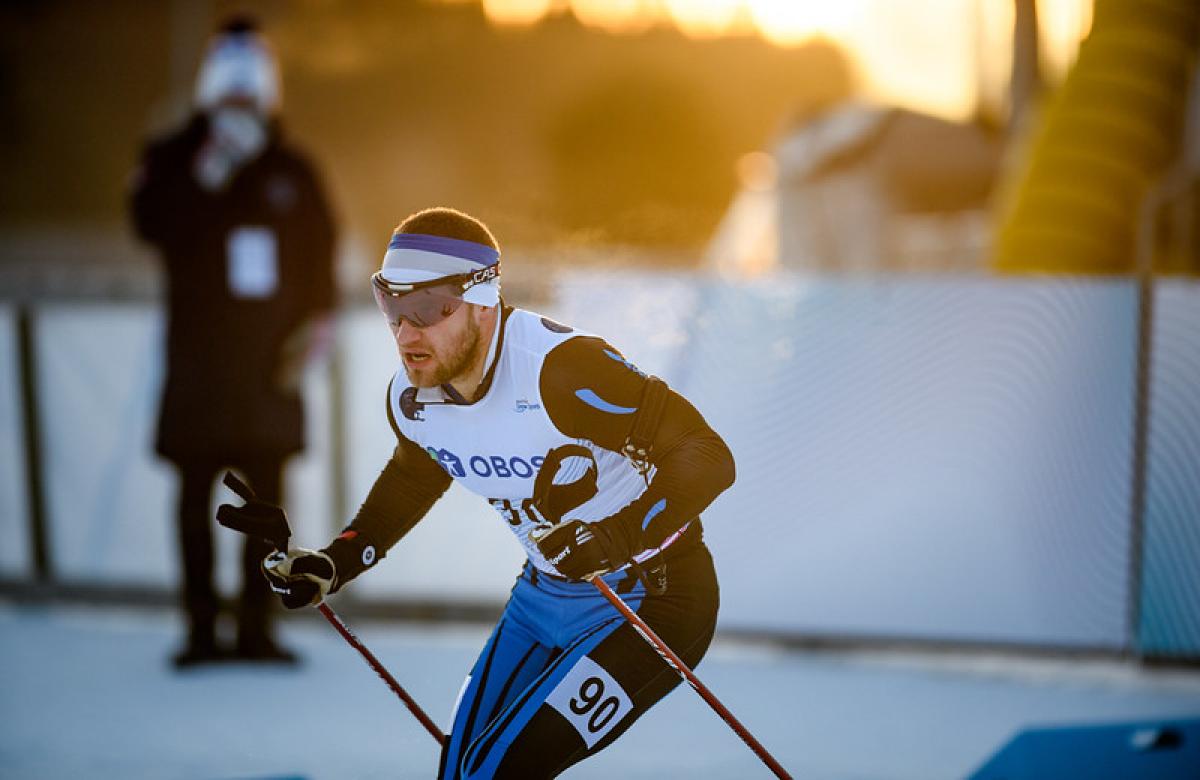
(495, 446)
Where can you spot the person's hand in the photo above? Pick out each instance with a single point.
(213, 167)
(302, 578)
(241, 132)
(236, 136)
(577, 549)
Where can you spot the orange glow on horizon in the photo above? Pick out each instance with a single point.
(516, 12)
(615, 15)
(708, 18)
(940, 56)
(790, 22)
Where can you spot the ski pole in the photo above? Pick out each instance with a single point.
(336, 621)
(276, 532)
(681, 668)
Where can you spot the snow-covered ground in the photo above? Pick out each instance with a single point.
(88, 693)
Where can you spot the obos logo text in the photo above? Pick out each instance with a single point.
(487, 465)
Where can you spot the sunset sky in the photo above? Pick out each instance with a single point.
(940, 56)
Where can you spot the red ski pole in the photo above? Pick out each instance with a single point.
(681, 668)
(273, 527)
(379, 668)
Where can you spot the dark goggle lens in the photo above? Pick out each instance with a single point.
(421, 308)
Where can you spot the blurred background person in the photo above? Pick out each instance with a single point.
(246, 238)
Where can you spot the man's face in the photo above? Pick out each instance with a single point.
(440, 353)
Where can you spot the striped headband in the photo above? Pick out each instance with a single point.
(415, 257)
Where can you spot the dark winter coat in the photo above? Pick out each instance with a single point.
(220, 397)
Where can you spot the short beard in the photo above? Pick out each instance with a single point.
(457, 362)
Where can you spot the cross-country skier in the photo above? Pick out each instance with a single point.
(597, 468)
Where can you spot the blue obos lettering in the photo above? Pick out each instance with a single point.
(517, 465)
(500, 467)
(489, 465)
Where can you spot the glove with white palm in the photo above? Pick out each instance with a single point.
(301, 577)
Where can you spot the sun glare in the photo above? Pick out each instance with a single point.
(519, 12)
(919, 55)
(942, 56)
(706, 18)
(789, 22)
(615, 15)
(1063, 23)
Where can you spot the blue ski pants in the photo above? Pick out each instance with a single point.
(564, 674)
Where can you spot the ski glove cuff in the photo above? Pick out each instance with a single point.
(302, 578)
(579, 550)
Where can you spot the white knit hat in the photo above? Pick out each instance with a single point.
(239, 63)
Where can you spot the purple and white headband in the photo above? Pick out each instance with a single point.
(415, 257)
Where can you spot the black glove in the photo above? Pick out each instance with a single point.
(302, 578)
(257, 519)
(577, 549)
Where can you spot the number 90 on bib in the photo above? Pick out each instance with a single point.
(590, 699)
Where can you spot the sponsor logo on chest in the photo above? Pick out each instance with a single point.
(486, 466)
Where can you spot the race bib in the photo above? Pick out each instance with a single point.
(590, 699)
(253, 270)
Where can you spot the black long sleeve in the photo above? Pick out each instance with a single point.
(588, 389)
(403, 493)
(168, 207)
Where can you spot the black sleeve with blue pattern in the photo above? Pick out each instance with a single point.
(591, 391)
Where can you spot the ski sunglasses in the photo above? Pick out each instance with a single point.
(423, 304)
